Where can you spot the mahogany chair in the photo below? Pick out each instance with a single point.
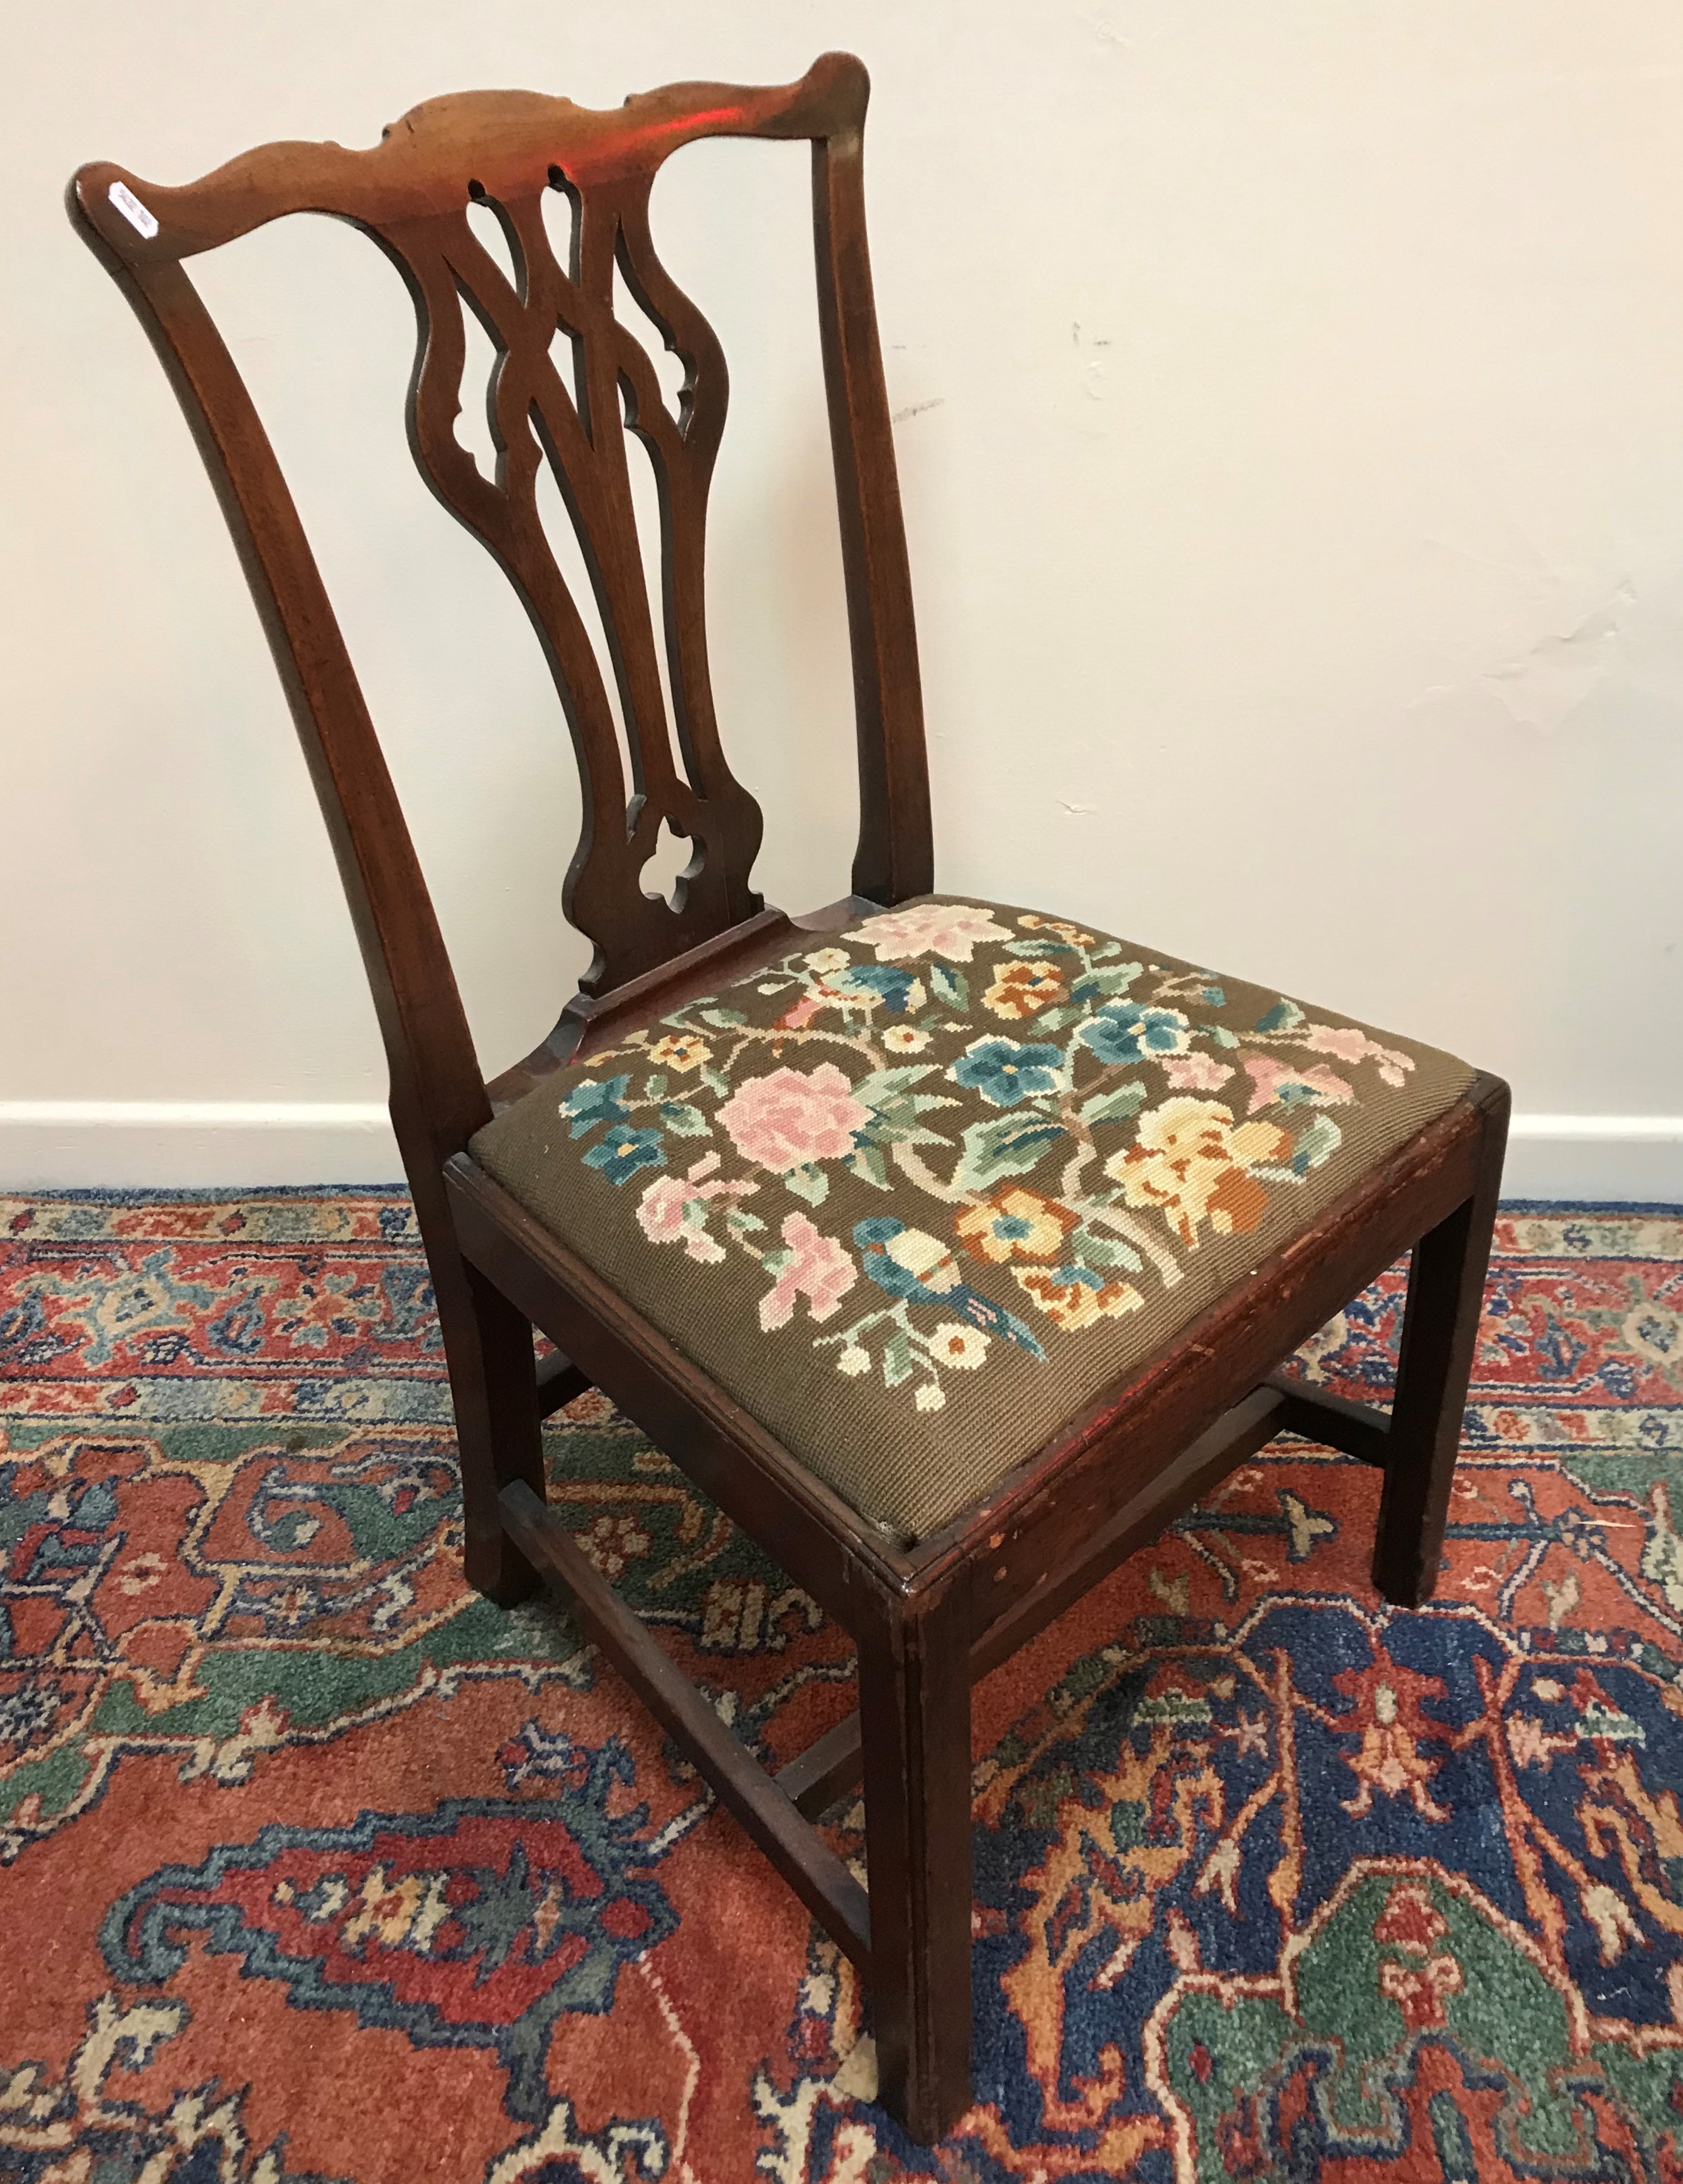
(1018, 1319)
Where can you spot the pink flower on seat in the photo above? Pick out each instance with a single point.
(674, 1212)
(1272, 1079)
(785, 1120)
(816, 1268)
(952, 929)
(1347, 1044)
(1195, 1073)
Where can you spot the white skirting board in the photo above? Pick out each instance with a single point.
(1596, 1159)
(93, 1145)
(96, 1145)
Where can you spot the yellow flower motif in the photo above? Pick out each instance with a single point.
(1073, 1297)
(828, 959)
(903, 1039)
(680, 1051)
(1023, 990)
(1015, 1224)
(1032, 922)
(1189, 1160)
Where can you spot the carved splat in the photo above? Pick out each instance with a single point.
(536, 419)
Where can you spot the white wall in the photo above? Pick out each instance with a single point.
(1292, 450)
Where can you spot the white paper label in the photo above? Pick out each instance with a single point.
(132, 209)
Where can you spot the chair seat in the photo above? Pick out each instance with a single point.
(916, 1193)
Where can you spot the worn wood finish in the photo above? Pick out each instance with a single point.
(928, 1619)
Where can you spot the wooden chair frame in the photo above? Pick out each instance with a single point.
(929, 1620)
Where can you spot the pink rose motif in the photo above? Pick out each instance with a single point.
(1270, 1078)
(659, 1214)
(817, 1268)
(1345, 1044)
(952, 929)
(1195, 1073)
(674, 1212)
(785, 1120)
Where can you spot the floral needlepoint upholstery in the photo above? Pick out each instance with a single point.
(916, 1193)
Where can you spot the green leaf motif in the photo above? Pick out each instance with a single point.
(809, 1182)
(870, 1166)
(685, 1121)
(897, 1360)
(1006, 1144)
(1105, 985)
(1317, 1142)
(949, 987)
(724, 1019)
(746, 1224)
(1115, 1105)
(1223, 1036)
(1285, 1015)
(1087, 1248)
(882, 1087)
(655, 1088)
(715, 1083)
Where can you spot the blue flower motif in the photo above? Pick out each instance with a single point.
(1126, 1031)
(624, 1150)
(594, 1100)
(907, 1263)
(1006, 1073)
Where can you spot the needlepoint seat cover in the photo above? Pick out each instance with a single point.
(918, 1192)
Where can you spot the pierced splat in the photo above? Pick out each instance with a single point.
(536, 417)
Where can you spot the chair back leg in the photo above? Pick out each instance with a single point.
(914, 1704)
(1439, 1333)
(494, 1388)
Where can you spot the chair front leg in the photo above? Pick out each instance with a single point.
(1439, 1333)
(914, 1704)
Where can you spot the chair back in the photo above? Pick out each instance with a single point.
(411, 194)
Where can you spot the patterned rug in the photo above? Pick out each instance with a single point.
(316, 1866)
